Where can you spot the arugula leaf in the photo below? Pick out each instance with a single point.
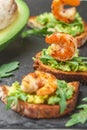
(80, 117)
(14, 99)
(11, 100)
(84, 99)
(39, 32)
(62, 101)
(47, 59)
(6, 69)
(15, 94)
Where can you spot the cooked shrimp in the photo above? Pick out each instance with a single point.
(66, 15)
(63, 46)
(40, 83)
(8, 9)
(49, 88)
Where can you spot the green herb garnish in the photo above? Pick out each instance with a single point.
(6, 69)
(40, 32)
(80, 117)
(15, 94)
(62, 93)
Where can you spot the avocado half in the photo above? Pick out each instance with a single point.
(7, 34)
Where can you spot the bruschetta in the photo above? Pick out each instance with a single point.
(62, 58)
(38, 97)
(59, 20)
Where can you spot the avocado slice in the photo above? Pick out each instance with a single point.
(7, 34)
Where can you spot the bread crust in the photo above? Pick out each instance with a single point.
(68, 76)
(41, 111)
(81, 39)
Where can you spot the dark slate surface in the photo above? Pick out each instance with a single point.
(23, 51)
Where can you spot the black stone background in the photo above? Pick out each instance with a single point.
(23, 50)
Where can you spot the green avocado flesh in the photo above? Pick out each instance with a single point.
(48, 21)
(14, 28)
(48, 25)
(63, 93)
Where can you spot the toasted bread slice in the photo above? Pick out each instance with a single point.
(68, 76)
(81, 39)
(41, 111)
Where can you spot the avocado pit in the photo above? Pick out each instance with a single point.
(8, 10)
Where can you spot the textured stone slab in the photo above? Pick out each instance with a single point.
(23, 51)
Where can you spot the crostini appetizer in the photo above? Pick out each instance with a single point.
(62, 58)
(40, 95)
(59, 20)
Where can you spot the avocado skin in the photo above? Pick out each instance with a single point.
(14, 29)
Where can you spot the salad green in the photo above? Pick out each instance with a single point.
(6, 70)
(80, 116)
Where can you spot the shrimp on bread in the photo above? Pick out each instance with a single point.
(59, 20)
(33, 104)
(62, 58)
(63, 46)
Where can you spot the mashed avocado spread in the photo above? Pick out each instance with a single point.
(50, 24)
(63, 93)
